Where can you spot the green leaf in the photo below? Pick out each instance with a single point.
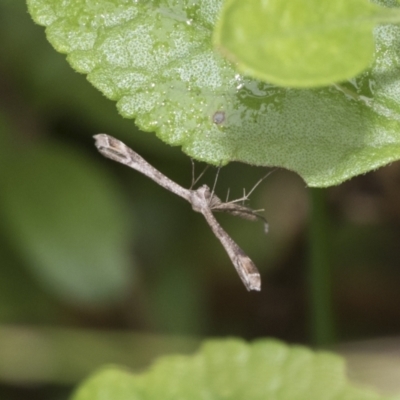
(231, 369)
(67, 220)
(299, 43)
(155, 58)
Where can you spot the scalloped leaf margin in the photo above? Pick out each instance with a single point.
(155, 59)
(231, 369)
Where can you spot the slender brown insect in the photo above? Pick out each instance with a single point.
(202, 200)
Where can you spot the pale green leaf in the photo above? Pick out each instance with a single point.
(303, 43)
(155, 58)
(67, 221)
(232, 369)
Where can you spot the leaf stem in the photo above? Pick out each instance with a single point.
(320, 279)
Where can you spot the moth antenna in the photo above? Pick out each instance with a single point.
(264, 177)
(246, 196)
(215, 182)
(194, 181)
(227, 195)
(193, 173)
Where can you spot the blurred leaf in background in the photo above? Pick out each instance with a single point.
(301, 44)
(73, 227)
(232, 369)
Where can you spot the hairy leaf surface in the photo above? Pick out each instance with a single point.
(155, 59)
(232, 369)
